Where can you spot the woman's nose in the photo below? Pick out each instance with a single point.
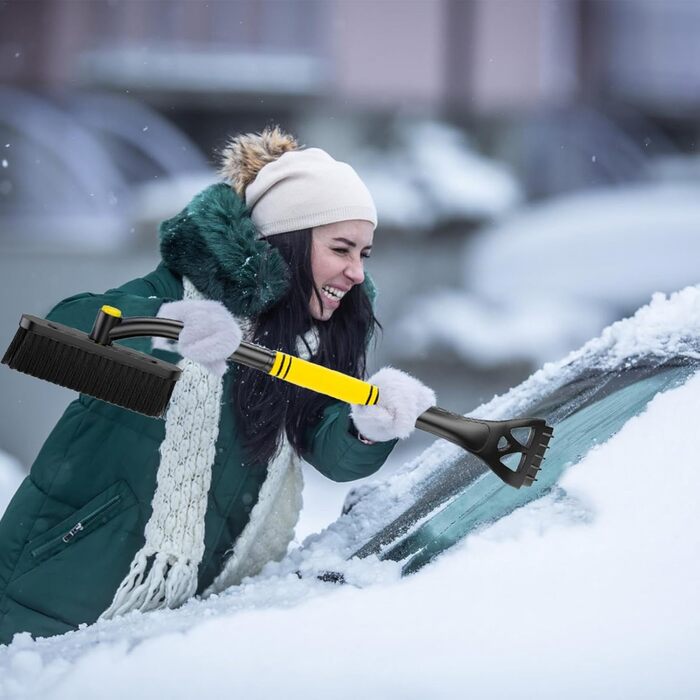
(355, 272)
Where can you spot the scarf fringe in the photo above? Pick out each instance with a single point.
(169, 583)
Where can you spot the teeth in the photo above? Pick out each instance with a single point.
(333, 293)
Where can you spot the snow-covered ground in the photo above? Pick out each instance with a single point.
(542, 280)
(594, 595)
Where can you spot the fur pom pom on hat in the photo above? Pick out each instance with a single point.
(288, 189)
(245, 155)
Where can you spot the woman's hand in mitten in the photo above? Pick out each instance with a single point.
(402, 398)
(210, 333)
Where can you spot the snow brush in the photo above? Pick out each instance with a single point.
(92, 365)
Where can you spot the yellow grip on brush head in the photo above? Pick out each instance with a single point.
(323, 380)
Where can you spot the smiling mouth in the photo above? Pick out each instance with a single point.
(332, 293)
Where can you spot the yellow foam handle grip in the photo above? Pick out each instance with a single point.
(323, 380)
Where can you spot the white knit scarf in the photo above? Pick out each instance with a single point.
(163, 573)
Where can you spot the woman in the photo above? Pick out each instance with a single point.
(123, 512)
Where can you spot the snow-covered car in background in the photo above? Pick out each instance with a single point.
(545, 278)
(433, 175)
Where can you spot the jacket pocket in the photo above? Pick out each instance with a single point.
(70, 572)
(93, 515)
(82, 527)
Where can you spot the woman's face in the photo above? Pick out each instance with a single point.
(338, 253)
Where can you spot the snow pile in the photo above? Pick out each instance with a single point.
(551, 275)
(590, 591)
(11, 474)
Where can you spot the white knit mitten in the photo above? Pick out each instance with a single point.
(210, 333)
(402, 398)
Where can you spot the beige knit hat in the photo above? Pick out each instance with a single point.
(302, 189)
(288, 189)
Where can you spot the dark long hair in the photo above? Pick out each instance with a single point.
(264, 405)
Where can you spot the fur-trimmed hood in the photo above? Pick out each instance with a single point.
(214, 243)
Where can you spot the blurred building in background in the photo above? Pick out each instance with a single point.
(459, 114)
(118, 93)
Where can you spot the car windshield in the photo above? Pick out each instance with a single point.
(584, 412)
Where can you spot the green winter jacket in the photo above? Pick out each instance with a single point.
(70, 533)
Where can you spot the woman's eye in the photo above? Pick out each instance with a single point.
(345, 251)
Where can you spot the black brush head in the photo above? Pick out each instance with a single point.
(111, 373)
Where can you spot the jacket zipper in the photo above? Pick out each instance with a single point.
(81, 525)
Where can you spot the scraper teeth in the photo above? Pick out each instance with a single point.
(529, 480)
(531, 454)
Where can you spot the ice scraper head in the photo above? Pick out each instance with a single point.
(518, 453)
(513, 449)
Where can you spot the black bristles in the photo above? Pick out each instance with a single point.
(114, 374)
